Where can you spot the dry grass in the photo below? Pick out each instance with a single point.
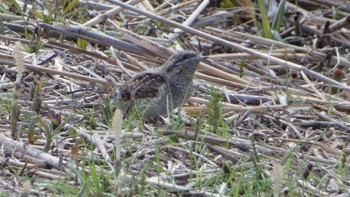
(268, 117)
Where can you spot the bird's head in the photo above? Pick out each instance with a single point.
(182, 63)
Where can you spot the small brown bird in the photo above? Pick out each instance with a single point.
(158, 93)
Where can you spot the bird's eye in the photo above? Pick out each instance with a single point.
(187, 56)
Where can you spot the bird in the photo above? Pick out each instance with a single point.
(157, 93)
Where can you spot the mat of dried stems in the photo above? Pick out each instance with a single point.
(282, 96)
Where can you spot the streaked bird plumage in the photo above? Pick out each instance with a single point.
(157, 93)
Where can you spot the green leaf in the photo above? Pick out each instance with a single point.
(40, 15)
(265, 19)
(13, 4)
(31, 128)
(227, 4)
(278, 19)
(81, 43)
(3, 9)
(70, 6)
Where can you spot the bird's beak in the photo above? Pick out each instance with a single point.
(201, 57)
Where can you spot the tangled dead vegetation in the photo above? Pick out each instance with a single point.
(269, 114)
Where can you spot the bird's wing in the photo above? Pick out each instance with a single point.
(145, 85)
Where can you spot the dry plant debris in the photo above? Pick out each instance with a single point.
(269, 115)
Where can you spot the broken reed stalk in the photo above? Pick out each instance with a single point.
(118, 132)
(19, 58)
